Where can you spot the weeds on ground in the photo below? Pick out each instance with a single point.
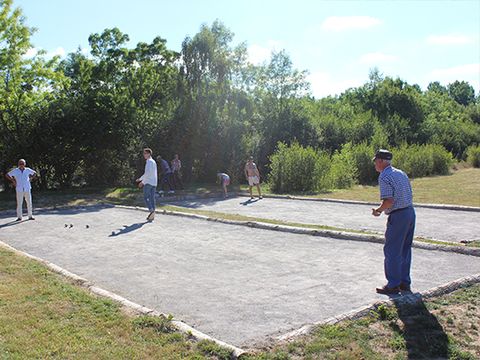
(445, 327)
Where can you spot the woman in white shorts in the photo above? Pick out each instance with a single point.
(253, 176)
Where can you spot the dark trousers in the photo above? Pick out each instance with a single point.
(177, 180)
(167, 179)
(398, 246)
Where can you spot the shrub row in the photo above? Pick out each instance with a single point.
(473, 155)
(297, 169)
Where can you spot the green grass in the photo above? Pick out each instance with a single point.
(462, 187)
(43, 316)
(444, 327)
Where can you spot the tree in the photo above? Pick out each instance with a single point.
(437, 87)
(27, 86)
(462, 92)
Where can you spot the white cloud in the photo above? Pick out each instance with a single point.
(60, 51)
(448, 40)
(31, 53)
(257, 54)
(457, 71)
(322, 84)
(376, 58)
(467, 72)
(341, 23)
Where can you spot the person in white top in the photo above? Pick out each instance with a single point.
(253, 177)
(149, 182)
(21, 178)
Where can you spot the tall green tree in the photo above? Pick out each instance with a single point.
(27, 85)
(462, 92)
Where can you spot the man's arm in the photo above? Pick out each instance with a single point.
(11, 179)
(386, 204)
(33, 175)
(140, 179)
(386, 195)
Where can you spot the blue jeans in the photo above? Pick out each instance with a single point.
(398, 246)
(149, 196)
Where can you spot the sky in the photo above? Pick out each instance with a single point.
(337, 42)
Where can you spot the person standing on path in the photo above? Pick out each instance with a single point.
(253, 177)
(149, 182)
(397, 203)
(21, 178)
(177, 177)
(166, 175)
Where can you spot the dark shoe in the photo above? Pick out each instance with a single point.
(19, 219)
(31, 218)
(388, 291)
(405, 287)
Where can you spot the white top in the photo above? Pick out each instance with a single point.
(150, 175)
(22, 178)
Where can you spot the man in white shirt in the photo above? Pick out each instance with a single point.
(20, 178)
(149, 182)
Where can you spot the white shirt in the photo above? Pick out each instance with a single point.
(150, 175)
(22, 178)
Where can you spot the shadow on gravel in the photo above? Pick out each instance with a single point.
(249, 201)
(12, 223)
(193, 204)
(128, 228)
(423, 334)
(67, 210)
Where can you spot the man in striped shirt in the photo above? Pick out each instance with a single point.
(397, 203)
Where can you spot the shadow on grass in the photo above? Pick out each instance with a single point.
(423, 334)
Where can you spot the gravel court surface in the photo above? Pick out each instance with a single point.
(234, 283)
(447, 225)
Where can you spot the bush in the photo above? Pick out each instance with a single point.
(473, 155)
(293, 169)
(422, 160)
(360, 157)
(442, 160)
(343, 173)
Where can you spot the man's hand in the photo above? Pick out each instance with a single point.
(375, 212)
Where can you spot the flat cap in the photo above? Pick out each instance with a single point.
(383, 154)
